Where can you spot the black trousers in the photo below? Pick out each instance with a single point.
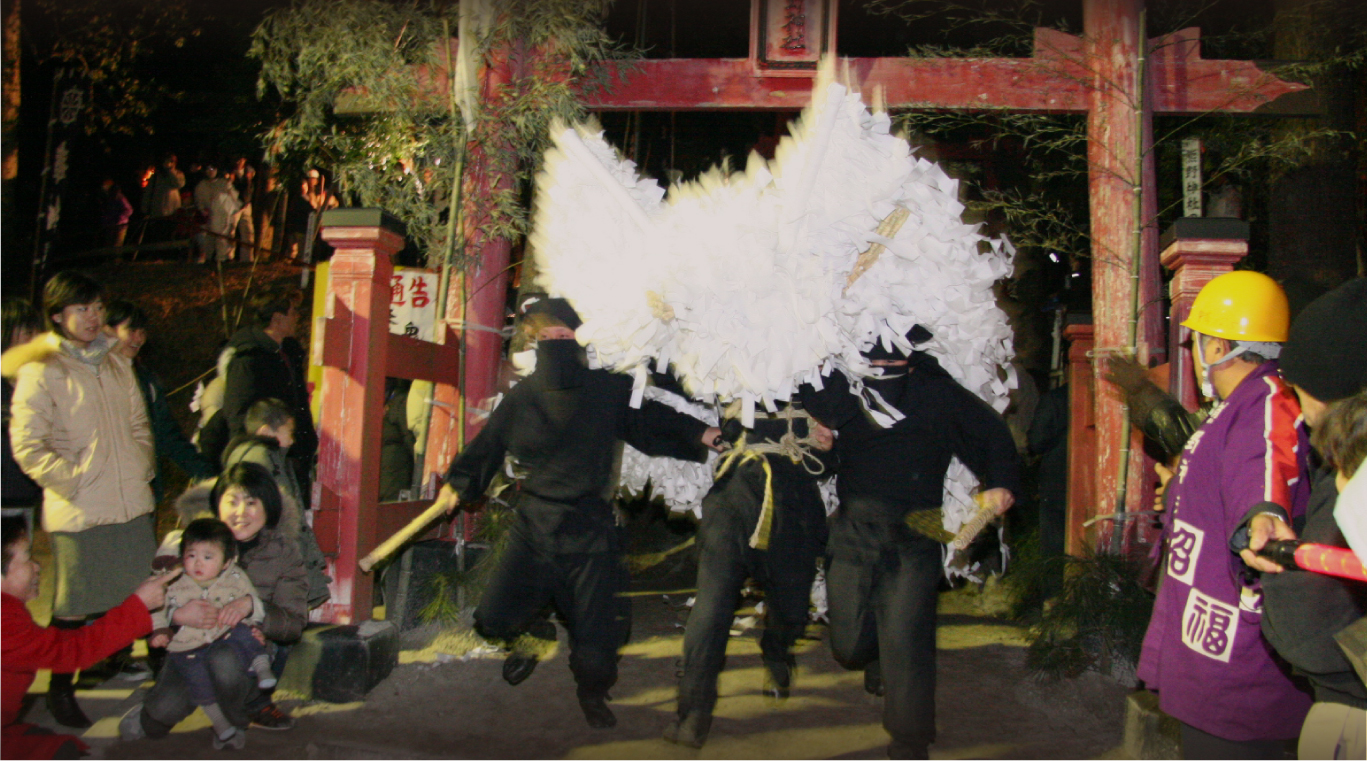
(785, 571)
(588, 589)
(882, 608)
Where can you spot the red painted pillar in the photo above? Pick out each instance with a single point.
(1081, 437)
(1197, 251)
(351, 342)
(1115, 136)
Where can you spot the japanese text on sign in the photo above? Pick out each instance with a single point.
(1191, 177)
(413, 303)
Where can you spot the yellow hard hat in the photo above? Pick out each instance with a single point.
(1241, 306)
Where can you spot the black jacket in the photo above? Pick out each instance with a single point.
(1302, 611)
(888, 472)
(259, 369)
(566, 437)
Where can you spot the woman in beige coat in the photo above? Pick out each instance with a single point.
(80, 430)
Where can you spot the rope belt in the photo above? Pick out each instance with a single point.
(797, 450)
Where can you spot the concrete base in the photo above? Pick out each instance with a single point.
(408, 583)
(1150, 733)
(340, 664)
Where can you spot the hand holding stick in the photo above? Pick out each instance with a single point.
(446, 503)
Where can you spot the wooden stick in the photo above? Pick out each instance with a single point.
(400, 538)
(974, 526)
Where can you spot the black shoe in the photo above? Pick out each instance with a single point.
(597, 713)
(542, 629)
(778, 679)
(873, 679)
(691, 730)
(516, 668)
(61, 703)
(271, 718)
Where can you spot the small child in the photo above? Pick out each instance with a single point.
(208, 551)
(269, 435)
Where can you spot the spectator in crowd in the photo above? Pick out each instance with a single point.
(80, 429)
(216, 197)
(266, 361)
(21, 495)
(162, 198)
(1323, 362)
(271, 212)
(128, 324)
(115, 211)
(1204, 652)
(245, 184)
(317, 198)
(246, 499)
(28, 647)
(397, 442)
(268, 437)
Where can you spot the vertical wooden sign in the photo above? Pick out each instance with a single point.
(788, 37)
(1191, 177)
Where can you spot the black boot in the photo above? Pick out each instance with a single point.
(778, 679)
(690, 730)
(517, 667)
(873, 679)
(596, 711)
(61, 702)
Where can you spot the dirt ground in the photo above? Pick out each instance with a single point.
(437, 706)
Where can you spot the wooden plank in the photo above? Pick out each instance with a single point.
(1053, 81)
(423, 360)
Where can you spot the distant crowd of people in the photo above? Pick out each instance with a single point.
(230, 211)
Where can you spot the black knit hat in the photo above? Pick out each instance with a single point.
(917, 335)
(1326, 351)
(560, 309)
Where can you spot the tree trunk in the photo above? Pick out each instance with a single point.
(1314, 221)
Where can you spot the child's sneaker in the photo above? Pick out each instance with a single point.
(233, 739)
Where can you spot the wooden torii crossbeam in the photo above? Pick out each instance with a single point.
(1098, 73)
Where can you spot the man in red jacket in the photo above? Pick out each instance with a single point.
(26, 647)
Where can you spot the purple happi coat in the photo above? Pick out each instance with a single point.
(1204, 652)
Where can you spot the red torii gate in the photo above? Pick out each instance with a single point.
(1098, 74)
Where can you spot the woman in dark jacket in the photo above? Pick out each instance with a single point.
(127, 322)
(247, 499)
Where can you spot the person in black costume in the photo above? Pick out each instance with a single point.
(562, 424)
(740, 538)
(882, 578)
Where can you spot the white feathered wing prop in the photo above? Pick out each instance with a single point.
(743, 280)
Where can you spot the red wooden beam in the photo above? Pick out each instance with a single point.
(1056, 79)
(423, 360)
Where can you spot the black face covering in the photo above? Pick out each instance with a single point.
(890, 385)
(561, 362)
